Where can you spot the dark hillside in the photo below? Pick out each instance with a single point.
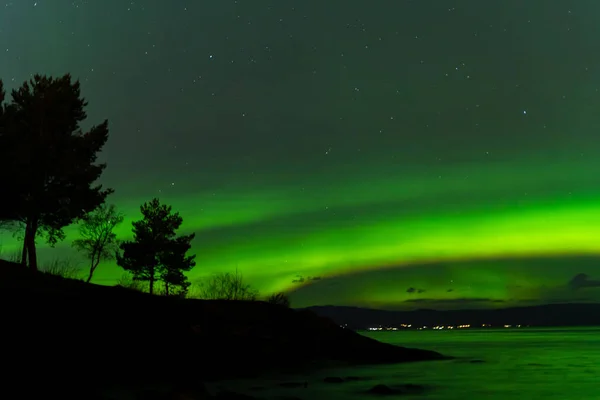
(68, 330)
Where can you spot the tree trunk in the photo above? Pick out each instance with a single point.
(92, 269)
(30, 232)
(167, 288)
(151, 289)
(24, 251)
(32, 256)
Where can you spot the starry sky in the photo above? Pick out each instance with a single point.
(391, 154)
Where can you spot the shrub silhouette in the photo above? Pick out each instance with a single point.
(226, 286)
(280, 299)
(126, 281)
(64, 268)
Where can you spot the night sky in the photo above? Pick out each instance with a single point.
(392, 154)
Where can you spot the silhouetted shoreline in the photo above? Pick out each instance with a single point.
(70, 333)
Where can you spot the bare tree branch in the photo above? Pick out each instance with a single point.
(226, 286)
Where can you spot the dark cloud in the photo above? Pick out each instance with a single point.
(450, 290)
(462, 300)
(414, 290)
(581, 281)
(302, 279)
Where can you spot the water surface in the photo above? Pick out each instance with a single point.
(502, 364)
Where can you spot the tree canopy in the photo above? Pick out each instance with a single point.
(47, 163)
(156, 253)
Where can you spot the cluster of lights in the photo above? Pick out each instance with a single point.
(451, 327)
(383, 329)
(437, 327)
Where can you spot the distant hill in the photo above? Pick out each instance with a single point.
(577, 314)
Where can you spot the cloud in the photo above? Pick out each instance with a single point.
(450, 290)
(302, 279)
(414, 290)
(462, 300)
(581, 281)
(528, 301)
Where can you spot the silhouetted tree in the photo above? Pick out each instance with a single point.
(2, 97)
(280, 299)
(174, 263)
(226, 286)
(98, 241)
(47, 164)
(155, 252)
(4, 224)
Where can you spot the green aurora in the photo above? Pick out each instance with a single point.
(275, 235)
(335, 167)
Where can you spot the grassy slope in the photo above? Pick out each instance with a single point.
(69, 330)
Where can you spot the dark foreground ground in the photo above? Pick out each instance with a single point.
(60, 334)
